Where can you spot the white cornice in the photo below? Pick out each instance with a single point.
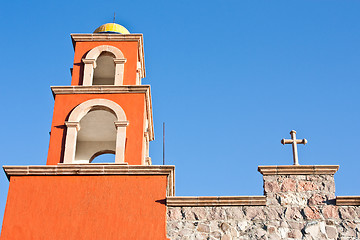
(100, 89)
(101, 37)
(298, 169)
(348, 200)
(57, 90)
(94, 169)
(176, 201)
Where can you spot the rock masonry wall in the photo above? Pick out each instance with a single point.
(297, 207)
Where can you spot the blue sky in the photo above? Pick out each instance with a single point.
(229, 78)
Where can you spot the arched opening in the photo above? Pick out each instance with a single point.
(97, 134)
(104, 65)
(93, 126)
(105, 156)
(104, 73)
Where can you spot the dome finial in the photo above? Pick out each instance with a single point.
(112, 28)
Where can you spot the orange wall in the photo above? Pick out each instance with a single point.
(129, 49)
(85, 207)
(133, 105)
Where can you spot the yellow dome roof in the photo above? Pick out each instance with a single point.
(111, 28)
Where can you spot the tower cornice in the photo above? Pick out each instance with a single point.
(95, 170)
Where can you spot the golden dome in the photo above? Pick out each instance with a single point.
(112, 28)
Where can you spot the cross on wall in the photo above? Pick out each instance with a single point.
(294, 143)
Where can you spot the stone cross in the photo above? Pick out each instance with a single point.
(294, 143)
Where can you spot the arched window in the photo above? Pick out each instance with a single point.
(94, 127)
(111, 61)
(104, 73)
(97, 133)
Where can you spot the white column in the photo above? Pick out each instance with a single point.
(89, 65)
(119, 71)
(70, 141)
(138, 74)
(147, 159)
(120, 141)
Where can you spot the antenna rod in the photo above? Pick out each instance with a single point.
(114, 18)
(163, 143)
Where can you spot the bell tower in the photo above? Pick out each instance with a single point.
(105, 110)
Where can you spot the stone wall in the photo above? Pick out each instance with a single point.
(298, 206)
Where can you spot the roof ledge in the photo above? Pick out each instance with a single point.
(298, 169)
(348, 200)
(215, 201)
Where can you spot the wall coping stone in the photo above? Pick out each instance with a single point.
(298, 169)
(177, 201)
(348, 200)
(56, 90)
(95, 169)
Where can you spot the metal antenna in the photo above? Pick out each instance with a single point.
(114, 18)
(163, 143)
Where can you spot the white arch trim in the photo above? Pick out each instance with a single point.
(95, 52)
(73, 126)
(82, 109)
(90, 63)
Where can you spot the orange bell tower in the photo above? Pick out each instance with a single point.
(106, 110)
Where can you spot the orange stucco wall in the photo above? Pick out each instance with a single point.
(85, 207)
(132, 103)
(129, 49)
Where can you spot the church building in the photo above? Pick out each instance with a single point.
(107, 110)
